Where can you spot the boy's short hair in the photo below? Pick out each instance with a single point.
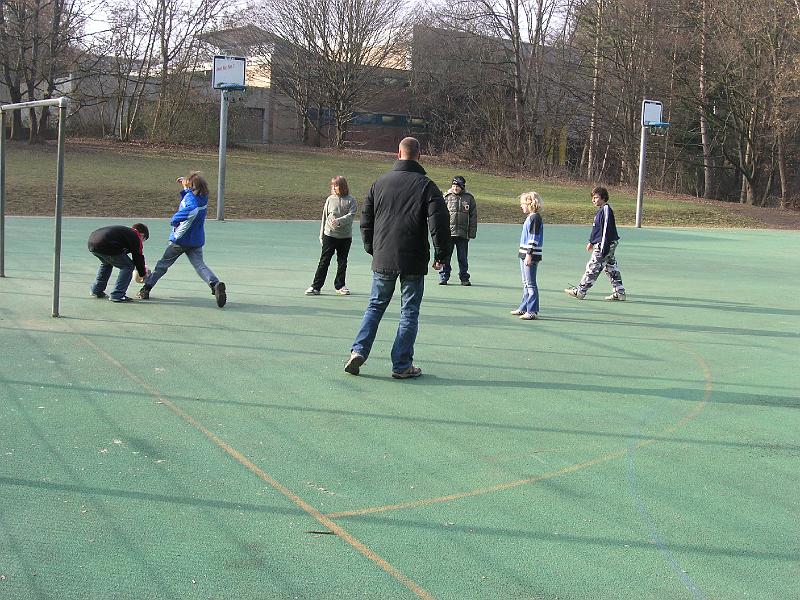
(602, 192)
(344, 189)
(141, 228)
(532, 200)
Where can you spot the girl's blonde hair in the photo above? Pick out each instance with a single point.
(197, 183)
(532, 200)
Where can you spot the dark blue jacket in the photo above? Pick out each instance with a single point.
(188, 223)
(604, 230)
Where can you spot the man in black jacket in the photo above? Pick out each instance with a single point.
(111, 245)
(402, 206)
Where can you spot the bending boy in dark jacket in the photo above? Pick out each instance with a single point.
(111, 245)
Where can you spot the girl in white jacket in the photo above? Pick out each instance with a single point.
(335, 235)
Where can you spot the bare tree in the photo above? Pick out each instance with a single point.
(507, 57)
(38, 40)
(333, 51)
(178, 24)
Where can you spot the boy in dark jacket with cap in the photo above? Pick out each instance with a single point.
(111, 245)
(463, 228)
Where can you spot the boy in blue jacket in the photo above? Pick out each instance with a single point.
(188, 237)
(603, 241)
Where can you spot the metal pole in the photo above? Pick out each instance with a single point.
(62, 126)
(642, 169)
(2, 194)
(223, 143)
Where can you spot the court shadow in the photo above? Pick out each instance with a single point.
(147, 496)
(722, 305)
(497, 533)
(669, 393)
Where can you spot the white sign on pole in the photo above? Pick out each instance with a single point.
(651, 112)
(228, 71)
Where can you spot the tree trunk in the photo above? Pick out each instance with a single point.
(782, 171)
(670, 101)
(705, 135)
(590, 168)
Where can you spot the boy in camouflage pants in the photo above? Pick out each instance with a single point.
(603, 241)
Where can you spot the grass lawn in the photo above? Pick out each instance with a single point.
(104, 179)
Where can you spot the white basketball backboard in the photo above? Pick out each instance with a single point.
(651, 112)
(228, 71)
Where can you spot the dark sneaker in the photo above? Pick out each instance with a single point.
(466, 282)
(219, 294)
(408, 373)
(123, 299)
(443, 282)
(100, 295)
(354, 364)
(144, 293)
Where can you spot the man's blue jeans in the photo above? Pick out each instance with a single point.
(411, 290)
(461, 246)
(107, 263)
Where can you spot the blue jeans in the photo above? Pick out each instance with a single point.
(530, 292)
(173, 253)
(460, 244)
(411, 290)
(107, 263)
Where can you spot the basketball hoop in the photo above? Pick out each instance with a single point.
(658, 128)
(233, 93)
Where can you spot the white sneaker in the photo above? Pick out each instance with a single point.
(617, 296)
(343, 291)
(312, 292)
(573, 291)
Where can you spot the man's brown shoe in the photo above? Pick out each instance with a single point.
(408, 373)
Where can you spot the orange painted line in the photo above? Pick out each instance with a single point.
(565, 471)
(267, 478)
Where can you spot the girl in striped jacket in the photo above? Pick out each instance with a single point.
(530, 253)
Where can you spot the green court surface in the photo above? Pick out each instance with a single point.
(170, 449)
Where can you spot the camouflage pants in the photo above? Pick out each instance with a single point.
(599, 263)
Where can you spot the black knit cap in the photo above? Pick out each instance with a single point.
(460, 181)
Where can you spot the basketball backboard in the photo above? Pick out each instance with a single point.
(651, 112)
(228, 71)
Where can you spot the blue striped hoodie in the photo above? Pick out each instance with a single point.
(532, 238)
